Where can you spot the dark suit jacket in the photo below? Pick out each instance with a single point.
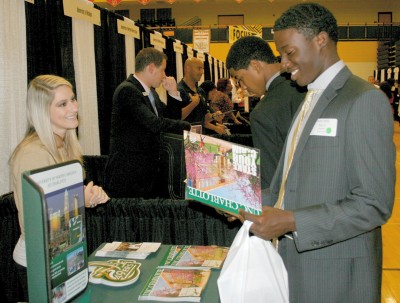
(132, 167)
(270, 121)
(341, 190)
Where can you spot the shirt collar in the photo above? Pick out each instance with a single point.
(146, 88)
(327, 76)
(271, 79)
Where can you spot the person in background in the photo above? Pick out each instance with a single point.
(334, 185)
(395, 104)
(387, 89)
(208, 87)
(212, 125)
(194, 105)
(52, 116)
(132, 168)
(220, 100)
(253, 65)
(216, 119)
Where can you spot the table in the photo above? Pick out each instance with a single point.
(99, 293)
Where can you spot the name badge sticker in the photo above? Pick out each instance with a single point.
(325, 127)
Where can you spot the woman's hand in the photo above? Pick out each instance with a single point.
(94, 195)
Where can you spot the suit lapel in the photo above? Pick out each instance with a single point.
(325, 99)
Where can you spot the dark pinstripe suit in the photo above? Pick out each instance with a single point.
(270, 121)
(341, 190)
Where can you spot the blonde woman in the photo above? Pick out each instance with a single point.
(52, 116)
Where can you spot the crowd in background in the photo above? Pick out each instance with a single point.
(391, 89)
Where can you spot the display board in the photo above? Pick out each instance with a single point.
(54, 218)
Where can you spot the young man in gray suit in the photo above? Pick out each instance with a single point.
(338, 187)
(253, 65)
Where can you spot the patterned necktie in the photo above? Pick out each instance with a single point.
(152, 101)
(293, 144)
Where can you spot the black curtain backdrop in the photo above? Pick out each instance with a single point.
(139, 42)
(184, 55)
(104, 83)
(146, 37)
(171, 62)
(10, 232)
(110, 71)
(212, 71)
(219, 71)
(60, 32)
(39, 48)
(207, 72)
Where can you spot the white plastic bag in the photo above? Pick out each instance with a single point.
(253, 271)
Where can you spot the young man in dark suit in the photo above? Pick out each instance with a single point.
(136, 122)
(334, 185)
(253, 65)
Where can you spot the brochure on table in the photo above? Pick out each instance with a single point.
(53, 201)
(222, 174)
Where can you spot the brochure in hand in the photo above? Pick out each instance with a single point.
(222, 174)
(175, 285)
(199, 257)
(128, 250)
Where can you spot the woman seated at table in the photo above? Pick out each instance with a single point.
(217, 120)
(220, 101)
(52, 119)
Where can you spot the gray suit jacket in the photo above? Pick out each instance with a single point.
(341, 190)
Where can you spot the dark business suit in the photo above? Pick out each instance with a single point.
(341, 190)
(270, 121)
(132, 167)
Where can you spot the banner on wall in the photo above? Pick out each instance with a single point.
(201, 40)
(238, 31)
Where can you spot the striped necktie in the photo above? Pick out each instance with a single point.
(293, 144)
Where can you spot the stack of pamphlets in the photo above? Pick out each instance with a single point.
(198, 257)
(128, 250)
(183, 273)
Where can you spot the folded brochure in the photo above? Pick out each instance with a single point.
(174, 285)
(196, 257)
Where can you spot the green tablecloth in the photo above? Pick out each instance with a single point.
(98, 293)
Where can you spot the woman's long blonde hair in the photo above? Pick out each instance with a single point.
(38, 102)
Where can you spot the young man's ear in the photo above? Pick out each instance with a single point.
(255, 64)
(322, 39)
